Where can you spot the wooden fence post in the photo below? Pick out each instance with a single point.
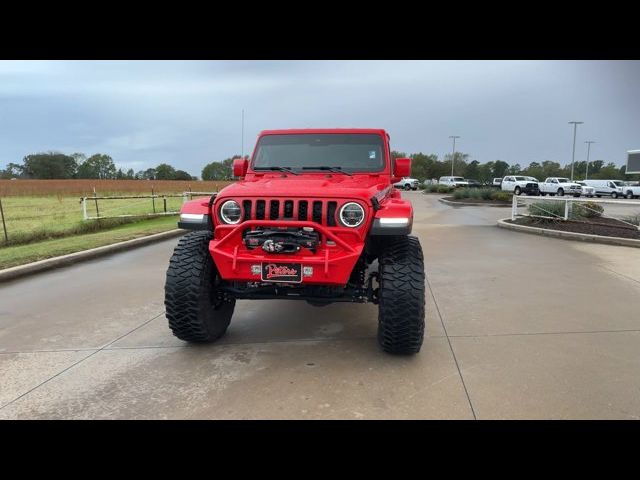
(96, 200)
(153, 200)
(4, 225)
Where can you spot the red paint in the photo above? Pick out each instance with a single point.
(332, 264)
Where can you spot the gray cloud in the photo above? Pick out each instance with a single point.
(188, 113)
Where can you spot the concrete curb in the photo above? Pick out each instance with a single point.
(455, 204)
(55, 262)
(584, 237)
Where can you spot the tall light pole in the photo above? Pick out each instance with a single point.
(242, 148)
(573, 155)
(453, 157)
(588, 142)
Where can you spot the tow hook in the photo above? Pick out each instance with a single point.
(372, 293)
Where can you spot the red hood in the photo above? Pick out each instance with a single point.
(361, 186)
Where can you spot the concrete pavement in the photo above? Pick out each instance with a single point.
(518, 326)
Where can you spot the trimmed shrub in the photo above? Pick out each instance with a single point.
(486, 193)
(576, 210)
(444, 189)
(547, 209)
(588, 209)
(473, 193)
(502, 196)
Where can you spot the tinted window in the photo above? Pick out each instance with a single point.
(351, 152)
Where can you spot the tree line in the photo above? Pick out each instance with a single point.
(428, 166)
(55, 165)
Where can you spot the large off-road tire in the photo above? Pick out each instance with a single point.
(560, 192)
(196, 309)
(407, 187)
(401, 296)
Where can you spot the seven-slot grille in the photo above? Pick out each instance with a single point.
(319, 211)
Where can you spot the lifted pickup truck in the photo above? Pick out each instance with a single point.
(559, 186)
(312, 211)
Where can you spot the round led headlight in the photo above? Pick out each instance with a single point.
(351, 214)
(230, 212)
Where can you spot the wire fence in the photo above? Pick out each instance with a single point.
(25, 219)
(624, 213)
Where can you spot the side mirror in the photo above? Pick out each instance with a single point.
(240, 167)
(401, 169)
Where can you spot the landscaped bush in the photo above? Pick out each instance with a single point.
(444, 189)
(633, 219)
(473, 193)
(487, 192)
(576, 210)
(588, 209)
(501, 196)
(547, 209)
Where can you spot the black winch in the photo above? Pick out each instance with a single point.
(285, 240)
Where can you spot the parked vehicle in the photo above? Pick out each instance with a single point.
(587, 190)
(559, 186)
(311, 211)
(497, 182)
(473, 183)
(613, 188)
(631, 191)
(408, 183)
(519, 184)
(453, 182)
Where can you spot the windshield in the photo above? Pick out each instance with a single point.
(563, 180)
(458, 179)
(349, 152)
(618, 183)
(520, 179)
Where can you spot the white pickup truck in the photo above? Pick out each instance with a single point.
(518, 184)
(631, 191)
(408, 183)
(559, 186)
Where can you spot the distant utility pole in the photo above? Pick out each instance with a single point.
(242, 148)
(588, 142)
(453, 157)
(573, 155)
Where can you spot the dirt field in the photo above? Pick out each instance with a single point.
(85, 187)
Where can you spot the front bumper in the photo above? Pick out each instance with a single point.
(332, 263)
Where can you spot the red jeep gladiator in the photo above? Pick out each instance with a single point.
(312, 211)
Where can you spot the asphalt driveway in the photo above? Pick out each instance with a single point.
(518, 326)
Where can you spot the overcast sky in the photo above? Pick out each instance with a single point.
(188, 113)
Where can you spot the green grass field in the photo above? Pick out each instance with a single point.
(20, 254)
(40, 227)
(31, 219)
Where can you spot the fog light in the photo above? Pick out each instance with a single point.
(256, 269)
(307, 271)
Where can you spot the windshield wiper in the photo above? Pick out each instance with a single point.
(280, 169)
(331, 169)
